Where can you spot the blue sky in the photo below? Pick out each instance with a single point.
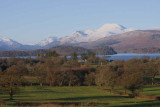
(29, 21)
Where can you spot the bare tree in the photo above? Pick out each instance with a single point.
(10, 80)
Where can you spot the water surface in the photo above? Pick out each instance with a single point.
(127, 56)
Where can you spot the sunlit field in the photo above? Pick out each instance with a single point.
(77, 94)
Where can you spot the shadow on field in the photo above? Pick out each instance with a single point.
(40, 91)
(74, 98)
(152, 90)
(89, 97)
(141, 104)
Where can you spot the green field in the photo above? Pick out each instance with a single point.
(151, 90)
(148, 90)
(77, 94)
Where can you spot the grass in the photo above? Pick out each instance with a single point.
(74, 94)
(151, 90)
(147, 90)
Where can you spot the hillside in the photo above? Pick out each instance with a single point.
(68, 50)
(129, 40)
(104, 50)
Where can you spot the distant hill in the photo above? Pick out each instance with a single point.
(142, 50)
(104, 50)
(129, 40)
(68, 50)
(62, 50)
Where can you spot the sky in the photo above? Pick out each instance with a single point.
(29, 21)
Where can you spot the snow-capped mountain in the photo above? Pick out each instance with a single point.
(6, 43)
(76, 37)
(47, 41)
(92, 35)
(87, 35)
(9, 44)
(114, 35)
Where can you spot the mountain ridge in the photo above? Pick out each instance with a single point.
(92, 35)
(114, 35)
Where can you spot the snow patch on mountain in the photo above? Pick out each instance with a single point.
(93, 35)
(75, 37)
(7, 41)
(47, 41)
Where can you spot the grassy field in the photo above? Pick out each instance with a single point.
(77, 94)
(151, 90)
(148, 90)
